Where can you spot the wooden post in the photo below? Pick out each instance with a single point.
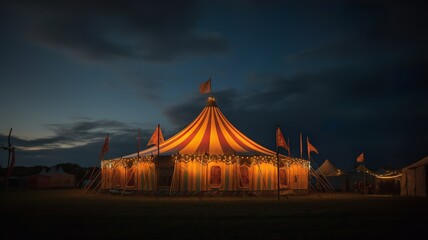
(277, 165)
(9, 149)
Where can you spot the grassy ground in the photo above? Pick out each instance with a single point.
(72, 214)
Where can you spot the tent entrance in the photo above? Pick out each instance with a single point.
(165, 176)
(166, 170)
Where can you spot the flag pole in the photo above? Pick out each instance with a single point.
(309, 152)
(157, 185)
(9, 148)
(301, 155)
(138, 153)
(364, 164)
(277, 161)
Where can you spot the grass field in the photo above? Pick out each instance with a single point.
(72, 214)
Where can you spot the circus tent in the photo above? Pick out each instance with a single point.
(209, 133)
(210, 153)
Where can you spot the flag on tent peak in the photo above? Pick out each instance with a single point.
(280, 141)
(157, 137)
(360, 158)
(205, 87)
(311, 147)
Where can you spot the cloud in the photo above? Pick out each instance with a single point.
(394, 21)
(98, 31)
(370, 32)
(79, 142)
(380, 110)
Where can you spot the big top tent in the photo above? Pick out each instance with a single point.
(209, 154)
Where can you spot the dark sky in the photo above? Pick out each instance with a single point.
(350, 75)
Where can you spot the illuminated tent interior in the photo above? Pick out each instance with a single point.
(209, 154)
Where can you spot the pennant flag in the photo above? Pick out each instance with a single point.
(205, 87)
(12, 164)
(311, 148)
(156, 137)
(280, 142)
(360, 158)
(104, 150)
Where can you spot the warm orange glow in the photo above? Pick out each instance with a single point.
(210, 153)
(209, 133)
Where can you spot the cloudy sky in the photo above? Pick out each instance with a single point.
(350, 75)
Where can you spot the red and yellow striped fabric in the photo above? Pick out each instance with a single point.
(209, 133)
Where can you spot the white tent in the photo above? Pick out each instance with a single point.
(61, 179)
(331, 177)
(414, 179)
(327, 169)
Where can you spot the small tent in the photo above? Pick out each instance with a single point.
(54, 178)
(61, 179)
(40, 180)
(414, 181)
(332, 176)
(328, 169)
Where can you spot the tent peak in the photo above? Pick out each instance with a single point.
(211, 102)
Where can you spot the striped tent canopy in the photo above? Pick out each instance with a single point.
(210, 133)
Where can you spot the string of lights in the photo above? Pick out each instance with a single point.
(389, 174)
(206, 158)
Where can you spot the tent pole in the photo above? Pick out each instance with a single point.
(364, 176)
(277, 162)
(9, 149)
(172, 181)
(200, 182)
(301, 156)
(277, 172)
(158, 172)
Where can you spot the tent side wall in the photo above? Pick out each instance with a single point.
(189, 177)
(264, 177)
(62, 180)
(414, 182)
(193, 176)
(298, 177)
(38, 181)
(140, 176)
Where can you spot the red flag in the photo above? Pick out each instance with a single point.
(12, 164)
(156, 137)
(311, 148)
(360, 158)
(280, 142)
(205, 87)
(104, 150)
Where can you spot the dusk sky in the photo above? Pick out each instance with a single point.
(350, 75)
